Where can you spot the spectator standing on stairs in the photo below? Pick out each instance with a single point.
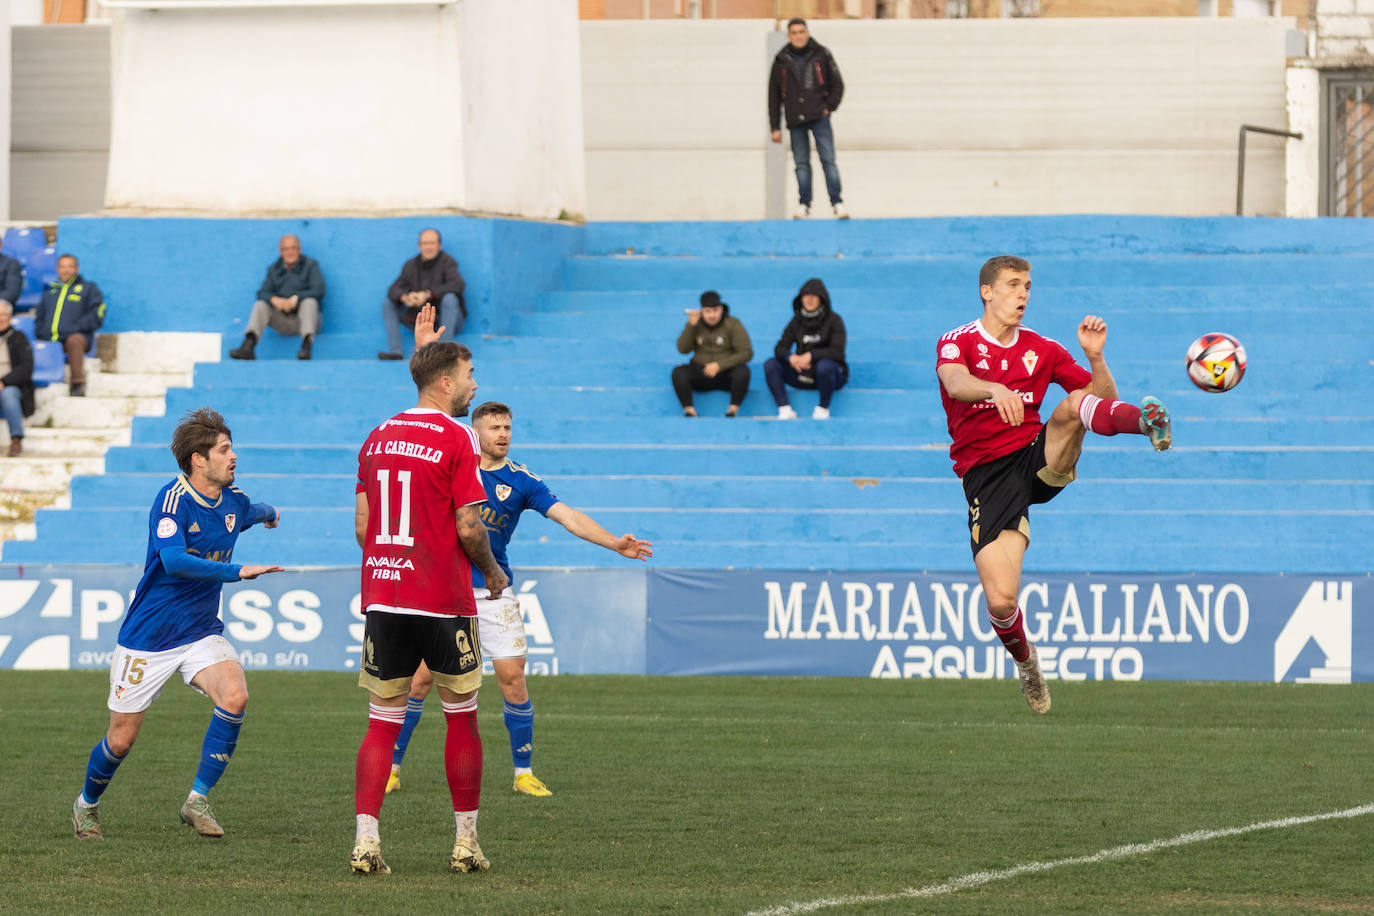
(16, 378)
(810, 353)
(805, 85)
(720, 350)
(429, 278)
(71, 311)
(289, 301)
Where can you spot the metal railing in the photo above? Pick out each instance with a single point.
(1240, 158)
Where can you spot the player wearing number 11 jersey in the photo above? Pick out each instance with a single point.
(418, 522)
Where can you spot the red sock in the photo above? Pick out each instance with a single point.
(374, 758)
(463, 755)
(1013, 635)
(1107, 418)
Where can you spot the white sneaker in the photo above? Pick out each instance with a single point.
(820, 413)
(785, 412)
(840, 211)
(803, 212)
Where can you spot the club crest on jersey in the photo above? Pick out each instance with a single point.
(1030, 359)
(502, 492)
(229, 522)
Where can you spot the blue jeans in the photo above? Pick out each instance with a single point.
(13, 411)
(827, 377)
(450, 318)
(801, 157)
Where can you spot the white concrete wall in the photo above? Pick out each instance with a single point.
(1345, 29)
(945, 117)
(361, 107)
(1303, 166)
(5, 104)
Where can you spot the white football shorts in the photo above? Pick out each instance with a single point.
(136, 678)
(500, 625)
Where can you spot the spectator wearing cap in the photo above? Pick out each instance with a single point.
(288, 301)
(720, 350)
(810, 353)
(71, 311)
(16, 378)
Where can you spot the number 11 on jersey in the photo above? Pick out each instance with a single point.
(402, 537)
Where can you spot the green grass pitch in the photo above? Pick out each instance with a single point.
(714, 795)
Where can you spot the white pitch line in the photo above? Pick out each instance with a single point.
(1106, 855)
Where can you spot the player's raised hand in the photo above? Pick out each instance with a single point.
(1009, 405)
(627, 545)
(496, 584)
(424, 327)
(275, 520)
(252, 572)
(1092, 335)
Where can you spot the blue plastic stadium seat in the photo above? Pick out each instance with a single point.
(39, 271)
(20, 243)
(25, 325)
(49, 363)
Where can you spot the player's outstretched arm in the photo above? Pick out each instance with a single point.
(424, 327)
(1092, 337)
(252, 572)
(962, 386)
(585, 527)
(265, 515)
(472, 534)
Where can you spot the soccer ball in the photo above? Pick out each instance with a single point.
(1216, 362)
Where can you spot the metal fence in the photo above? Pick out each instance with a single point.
(1350, 145)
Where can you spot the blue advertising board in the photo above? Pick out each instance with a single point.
(856, 624)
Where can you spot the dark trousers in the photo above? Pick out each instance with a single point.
(827, 377)
(75, 347)
(689, 377)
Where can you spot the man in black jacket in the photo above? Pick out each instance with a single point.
(805, 84)
(430, 277)
(16, 378)
(818, 337)
(288, 300)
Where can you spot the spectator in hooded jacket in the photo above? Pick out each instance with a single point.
(810, 353)
(11, 280)
(431, 277)
(805, 85)
(71, 311)
(288, 301)
(16, 378)
(720, 350)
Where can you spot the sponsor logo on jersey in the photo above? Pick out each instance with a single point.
(1029, 359)
(229, 522)
(982, 364)
(983, 349)
(167, 527)
(195, 528)
(391, 562)
(502, 492)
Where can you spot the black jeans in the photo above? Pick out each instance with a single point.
(689, 377)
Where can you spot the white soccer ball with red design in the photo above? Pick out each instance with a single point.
(1216, 362)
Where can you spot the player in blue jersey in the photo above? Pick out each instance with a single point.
(511, 490)
(173, 626)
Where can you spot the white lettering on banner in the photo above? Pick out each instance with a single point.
(99, 605)
(298, 607)
(1324, 618)
(1068, 634)
(356, 630)
(253, 621)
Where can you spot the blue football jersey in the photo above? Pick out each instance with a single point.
(511, 489)
(170, 611)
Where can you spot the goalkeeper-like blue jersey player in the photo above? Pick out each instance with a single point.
(173, 626)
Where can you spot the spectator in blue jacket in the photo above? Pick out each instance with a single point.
(16, 379)
(71, 311)
(288, 300)
(11, 280)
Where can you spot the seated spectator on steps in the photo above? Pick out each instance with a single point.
(430, 277)
(11, 280)
(289, 301)
(16, 378)
(720, 351)
(810, 353)
(71, 311)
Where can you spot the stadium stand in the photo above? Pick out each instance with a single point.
(40, 269)
(1277, 475)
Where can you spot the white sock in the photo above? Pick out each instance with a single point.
(367, 828)
(521, 771)
(190, 796)
(466, 822)
(81, 801)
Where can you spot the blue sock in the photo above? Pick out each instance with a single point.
(100, 769)
(415, 706)
(218, 747)
(520, 724)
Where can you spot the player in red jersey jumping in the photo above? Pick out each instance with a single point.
(418, 522)
(994, 374)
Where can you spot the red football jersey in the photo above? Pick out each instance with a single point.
(1028, 365)
(418, 469)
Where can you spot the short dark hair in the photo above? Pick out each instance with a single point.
(63, 257)
(490, 409)
(432, 361)
(197, 434)
(795, 20)
(993, 267)
(436, 232)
